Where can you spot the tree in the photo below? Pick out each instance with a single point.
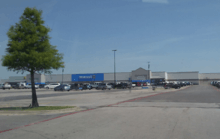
(29, 48)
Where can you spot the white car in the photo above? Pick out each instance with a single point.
(133, 85)
(29, 86)
(51, 86)
(5, 86)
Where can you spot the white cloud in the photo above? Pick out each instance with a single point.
(156, 1)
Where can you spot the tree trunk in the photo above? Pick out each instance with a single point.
(34, 95)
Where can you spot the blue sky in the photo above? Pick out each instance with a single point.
(174, 35)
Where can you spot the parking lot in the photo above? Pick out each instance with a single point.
(85, 98)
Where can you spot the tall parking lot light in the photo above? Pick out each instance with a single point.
(114, 67)
(62, 70)
(148, 71)
(62, 75)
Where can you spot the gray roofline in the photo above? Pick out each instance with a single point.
(211, 73)
(158, 71)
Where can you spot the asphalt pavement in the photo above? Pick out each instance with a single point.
(194, 94)
(17, 96)
(143, 118)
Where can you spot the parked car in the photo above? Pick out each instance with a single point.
(94, 85)
(101, 86)
(1, 86)
(109, 86)
(133, 85)
(123, 86)
(51, 85)
(42, 85)
(29, 86)
(5, 86)
(176, 86)
(22, 85)
(168, 85)
(14, 85)
(74, 86)
(182, 84)
(104, 86)
(86, 86)
(19, 85)
(62, 88)
(112, 84)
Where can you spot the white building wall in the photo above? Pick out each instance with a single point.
(58, 78)
(17, 78)
(183, 75)
(205, 76)
(120, 76)
(37, 78)
(159, 75)
(4, 80)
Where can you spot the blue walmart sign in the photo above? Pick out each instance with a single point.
(87, 77)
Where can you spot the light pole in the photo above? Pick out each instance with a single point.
(114, 67)
(148, 71)
(62, 75)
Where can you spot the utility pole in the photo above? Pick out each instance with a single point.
(114, 67)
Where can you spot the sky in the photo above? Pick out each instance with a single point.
(173, 35)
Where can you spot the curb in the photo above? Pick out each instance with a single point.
(41, 112)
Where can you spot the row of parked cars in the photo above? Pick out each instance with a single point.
(215, 83)
(68, 87)
(81, 86)
(175, 84)
(19, 85)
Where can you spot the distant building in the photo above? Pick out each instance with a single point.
(138, 75)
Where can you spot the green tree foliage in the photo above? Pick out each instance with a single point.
(29, 48)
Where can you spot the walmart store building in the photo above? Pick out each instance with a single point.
(138, 75)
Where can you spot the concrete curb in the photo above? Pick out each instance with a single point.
(42, 112)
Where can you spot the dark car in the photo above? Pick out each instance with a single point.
(14, 85)
(76, 86)
(168, 85)
(176, 86)
(187, 83)
(113, 85)
(182, 84)
(62, 88)
(218, 84)
(101, 86)
(85, 87)
(42, 85)
(122, 86)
